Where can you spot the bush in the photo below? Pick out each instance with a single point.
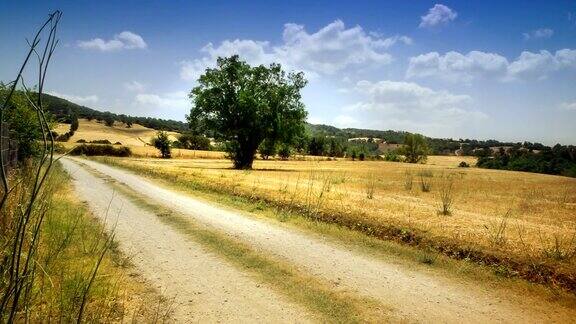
(362, 156)
(117, 143)
(95, 149)
(463, 164)
(105, 141)
(81, 141)
(285, 152)
(162, 143)
(193, 142)
(392, 157)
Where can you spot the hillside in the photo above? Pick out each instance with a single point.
(64, 111)
(93, 130)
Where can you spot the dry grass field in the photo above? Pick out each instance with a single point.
(135, 136)
(521, 223)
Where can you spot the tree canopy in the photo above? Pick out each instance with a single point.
(244, 105)
(415, 148)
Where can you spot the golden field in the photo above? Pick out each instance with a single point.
(135, 136)
(522, 220)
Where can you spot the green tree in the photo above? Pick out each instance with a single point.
(415, 149)
(22, 121)
(162, 143)
(191, 141)
(243, 105)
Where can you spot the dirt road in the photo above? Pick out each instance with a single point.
(202, 286)
(413, 295)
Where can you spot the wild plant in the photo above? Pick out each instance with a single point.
(446, 196)
(497, 230)
(408, 180)
(371, 187)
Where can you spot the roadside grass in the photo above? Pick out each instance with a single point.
(317, 295)
(408, 218)
(79, 274)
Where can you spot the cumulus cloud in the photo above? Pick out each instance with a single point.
(134, 86)
(329, 50)
(454, 66)
(437, 16)
(570, 106)
(171, 100)
(82, 100)
(123, 40)
(538, 33)
(407, 105)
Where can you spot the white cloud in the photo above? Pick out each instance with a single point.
(172, 100)
(124, 40)
(331, 49)
(407, 105)
(438, 15)
(539, 33)
(82, 100)
(570, 106)
(454, 66)
(134, 86)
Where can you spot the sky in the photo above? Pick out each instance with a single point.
(501, 70)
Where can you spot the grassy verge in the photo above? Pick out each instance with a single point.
(78, 272)
(394, 240)
(316, 295)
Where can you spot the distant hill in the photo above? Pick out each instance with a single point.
(64, 111)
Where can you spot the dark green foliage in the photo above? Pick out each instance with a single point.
(191, 141)
(109, 121)
(162, 143)
(362, 156)
(22, 121)
(415, 148)
(267, 149)
(560, 160)
(463, 164)
(392, 156)
(285, 151)
(317, 145)
(243, 105)
(97, 149)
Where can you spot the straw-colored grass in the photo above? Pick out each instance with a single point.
(135, 136)
(540, 226)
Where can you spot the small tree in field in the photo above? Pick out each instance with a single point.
(415, 148)
(243, 105)
(162, 143)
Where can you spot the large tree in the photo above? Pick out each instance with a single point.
(243, 105)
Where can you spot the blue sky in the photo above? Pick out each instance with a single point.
(463, 69)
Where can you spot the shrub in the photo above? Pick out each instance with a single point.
(162, 143)
(81, 141)
(285, 152)
(392, 157)
(117, 143)
(362, 156)
(192, 142)
(463, 164)
(104, 141)
(446, 198)
(93, 150)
